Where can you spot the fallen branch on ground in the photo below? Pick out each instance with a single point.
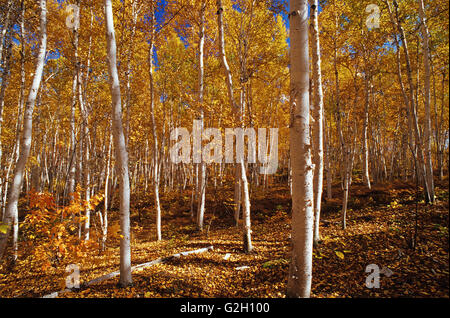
(138, 267)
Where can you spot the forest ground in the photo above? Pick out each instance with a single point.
(380, 225)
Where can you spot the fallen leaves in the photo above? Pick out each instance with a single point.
(339, 254)
(339, 261)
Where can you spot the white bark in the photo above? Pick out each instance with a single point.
(238, 116)
(76, 72)
(156, 173)
(104, 217)
(365, 147)
(317, 112)
(300, 271)
(134, 14)
(223, 57)
(24, 152)
(202, 193)
(120, 150)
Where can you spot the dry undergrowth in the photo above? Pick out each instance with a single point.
(379, 231)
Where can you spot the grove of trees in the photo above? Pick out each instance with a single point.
(92, 92)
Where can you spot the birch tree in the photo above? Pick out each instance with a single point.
(248, 247)
(25, 145)
(317, 112)
(300, 270)
(121, 152)
(427, 129)
(156, 172)
(202, 185)
(417, 151)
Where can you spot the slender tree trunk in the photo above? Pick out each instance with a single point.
(238, 117)
(15, 153)
(365, 147)
(237, 195)
(317, 110)
(86, 157)
(104, 217)
(155, 134)
(427, 126)
(24, 152)
(400, 80)
(5, 28)
(300, 271)
(345, 148)
(438, 130)
(327, 160)
(3, 182)
(76, 73)
(412, 105)
(5, 83)
(134, 14)
(120, 150)
(202, 166)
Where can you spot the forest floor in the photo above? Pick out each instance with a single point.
(380, 226)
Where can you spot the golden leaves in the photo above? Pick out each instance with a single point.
(339, 254)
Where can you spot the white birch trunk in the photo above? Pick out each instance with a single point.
(202, 192)
(238, 116)
(365, 149)
(155, 134)
(300, 271)
(120, 150)
(317, 112)
(24, 151)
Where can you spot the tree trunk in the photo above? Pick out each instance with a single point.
(24, 152)
(327, 160)
(300, 271)
(156, 172)
(427, 126)
(238, 118)
(365, 147)
(5, 28)
(202, 188)
(418, 152)
(317, 110)
(120, 150)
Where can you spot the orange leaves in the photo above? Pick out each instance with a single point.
(54, 230)
(114, 230)
(41, 201)
(338, 264)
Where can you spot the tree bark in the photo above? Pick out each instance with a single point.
(156, 173)
(418, 152)
(427, 126)
(24, 152)
(300, 271)
(120, 150)
(202, 185)
(248, 247)
(317, 112)
(365, 147)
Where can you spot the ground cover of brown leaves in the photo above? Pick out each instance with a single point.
(381, 230)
